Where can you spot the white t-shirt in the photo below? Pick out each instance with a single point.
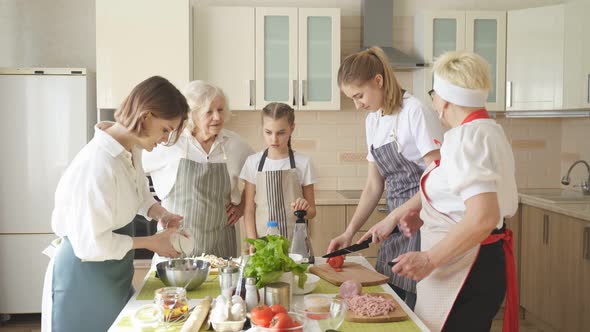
(415, 126)
(476, 158)
(100, 192)
(305, 169)
(162, 163)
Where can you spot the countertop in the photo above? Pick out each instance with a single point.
(569, 203)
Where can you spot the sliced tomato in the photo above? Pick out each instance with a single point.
(336, 262)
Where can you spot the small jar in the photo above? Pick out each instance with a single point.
(172, 301)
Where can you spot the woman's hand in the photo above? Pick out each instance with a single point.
(160, 243)
(379, 232)
(410, 222)
(341, 241)
(415, 265)
(300, 204)
(234, 213)
(170, 220)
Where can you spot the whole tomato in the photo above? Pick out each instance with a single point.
(261, 315)
(336, 262)
(281, 321)
(278, 309)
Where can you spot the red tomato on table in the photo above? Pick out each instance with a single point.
(336, 263)
(281, 321)
(278, 309)
(261, 315)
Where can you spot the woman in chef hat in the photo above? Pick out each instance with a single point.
(466, 263)
(403, 137)
(88, 281)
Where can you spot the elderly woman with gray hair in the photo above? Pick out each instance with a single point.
(198, 176)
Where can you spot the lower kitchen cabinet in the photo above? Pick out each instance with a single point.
(554, 279)
(330, 221)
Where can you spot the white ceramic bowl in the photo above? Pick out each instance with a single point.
(229, 326)
(310, 284)
(297, 258)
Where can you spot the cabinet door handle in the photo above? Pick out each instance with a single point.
(586, 246)
(295, 97)
(588, 90)
(509, 94)
(545, 229)
(252, 88)
(303, 92)
(383, 209)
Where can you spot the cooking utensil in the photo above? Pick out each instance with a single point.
(349, 249)
(350, 271)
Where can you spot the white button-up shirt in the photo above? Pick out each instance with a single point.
(101, 191)
(229, 148)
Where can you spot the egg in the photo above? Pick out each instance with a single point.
(237, 311)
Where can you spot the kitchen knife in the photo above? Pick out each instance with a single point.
(350, 249)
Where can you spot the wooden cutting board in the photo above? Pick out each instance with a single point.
(395, 316)
(350, 271)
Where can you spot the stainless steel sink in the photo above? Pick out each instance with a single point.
(557, 195)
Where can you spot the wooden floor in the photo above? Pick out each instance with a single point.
(32, 323)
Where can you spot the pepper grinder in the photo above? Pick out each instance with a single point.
(301, 243)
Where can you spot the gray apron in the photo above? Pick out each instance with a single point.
(200, 194)
(275, 191)
(88, 296)
(402, 181)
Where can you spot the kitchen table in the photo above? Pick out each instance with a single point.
(123, 322)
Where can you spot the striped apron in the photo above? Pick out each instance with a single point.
(402, 181)
(200, 194)
(275, 191)
(88, 296)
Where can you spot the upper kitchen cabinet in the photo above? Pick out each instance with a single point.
(481, 32)
(288, 55)
(136, 39)
(534, 58)
(577, 55)
(224, 53)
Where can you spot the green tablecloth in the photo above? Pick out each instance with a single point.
(211, 288)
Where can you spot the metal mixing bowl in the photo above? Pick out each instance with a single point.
(189, 273)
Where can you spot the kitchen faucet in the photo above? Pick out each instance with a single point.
(584, 185)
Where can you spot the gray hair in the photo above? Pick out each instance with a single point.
(199, 95)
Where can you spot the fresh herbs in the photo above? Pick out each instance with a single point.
(271, 260)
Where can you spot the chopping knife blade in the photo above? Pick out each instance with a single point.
(350, 249)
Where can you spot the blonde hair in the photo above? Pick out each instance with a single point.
(200, 95)
(278, 111)
(363, 66)
(154, 95)
(465, 69)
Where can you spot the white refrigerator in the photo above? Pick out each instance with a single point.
(45, 119)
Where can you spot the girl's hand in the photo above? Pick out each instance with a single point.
(415, 265)
(160, 244)
(300, 204)
(379, 232)
(410, 223)
(234, 213)
(170, 220)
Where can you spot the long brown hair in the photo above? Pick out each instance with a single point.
(278, 111)
(156, 95)
(363, 66)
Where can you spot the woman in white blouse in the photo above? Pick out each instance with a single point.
(466, 264)
(88, 281)
(198, 177)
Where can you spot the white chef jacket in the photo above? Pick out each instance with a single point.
(303, 165)
(476, 158)
(229, 148)
(415, 126)
(101, 191)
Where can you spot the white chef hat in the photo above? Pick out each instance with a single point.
(458, 95)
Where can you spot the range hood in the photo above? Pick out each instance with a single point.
(377, 16)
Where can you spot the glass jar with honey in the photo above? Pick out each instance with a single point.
(173, 302)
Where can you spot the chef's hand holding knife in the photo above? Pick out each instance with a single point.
(415, 265)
